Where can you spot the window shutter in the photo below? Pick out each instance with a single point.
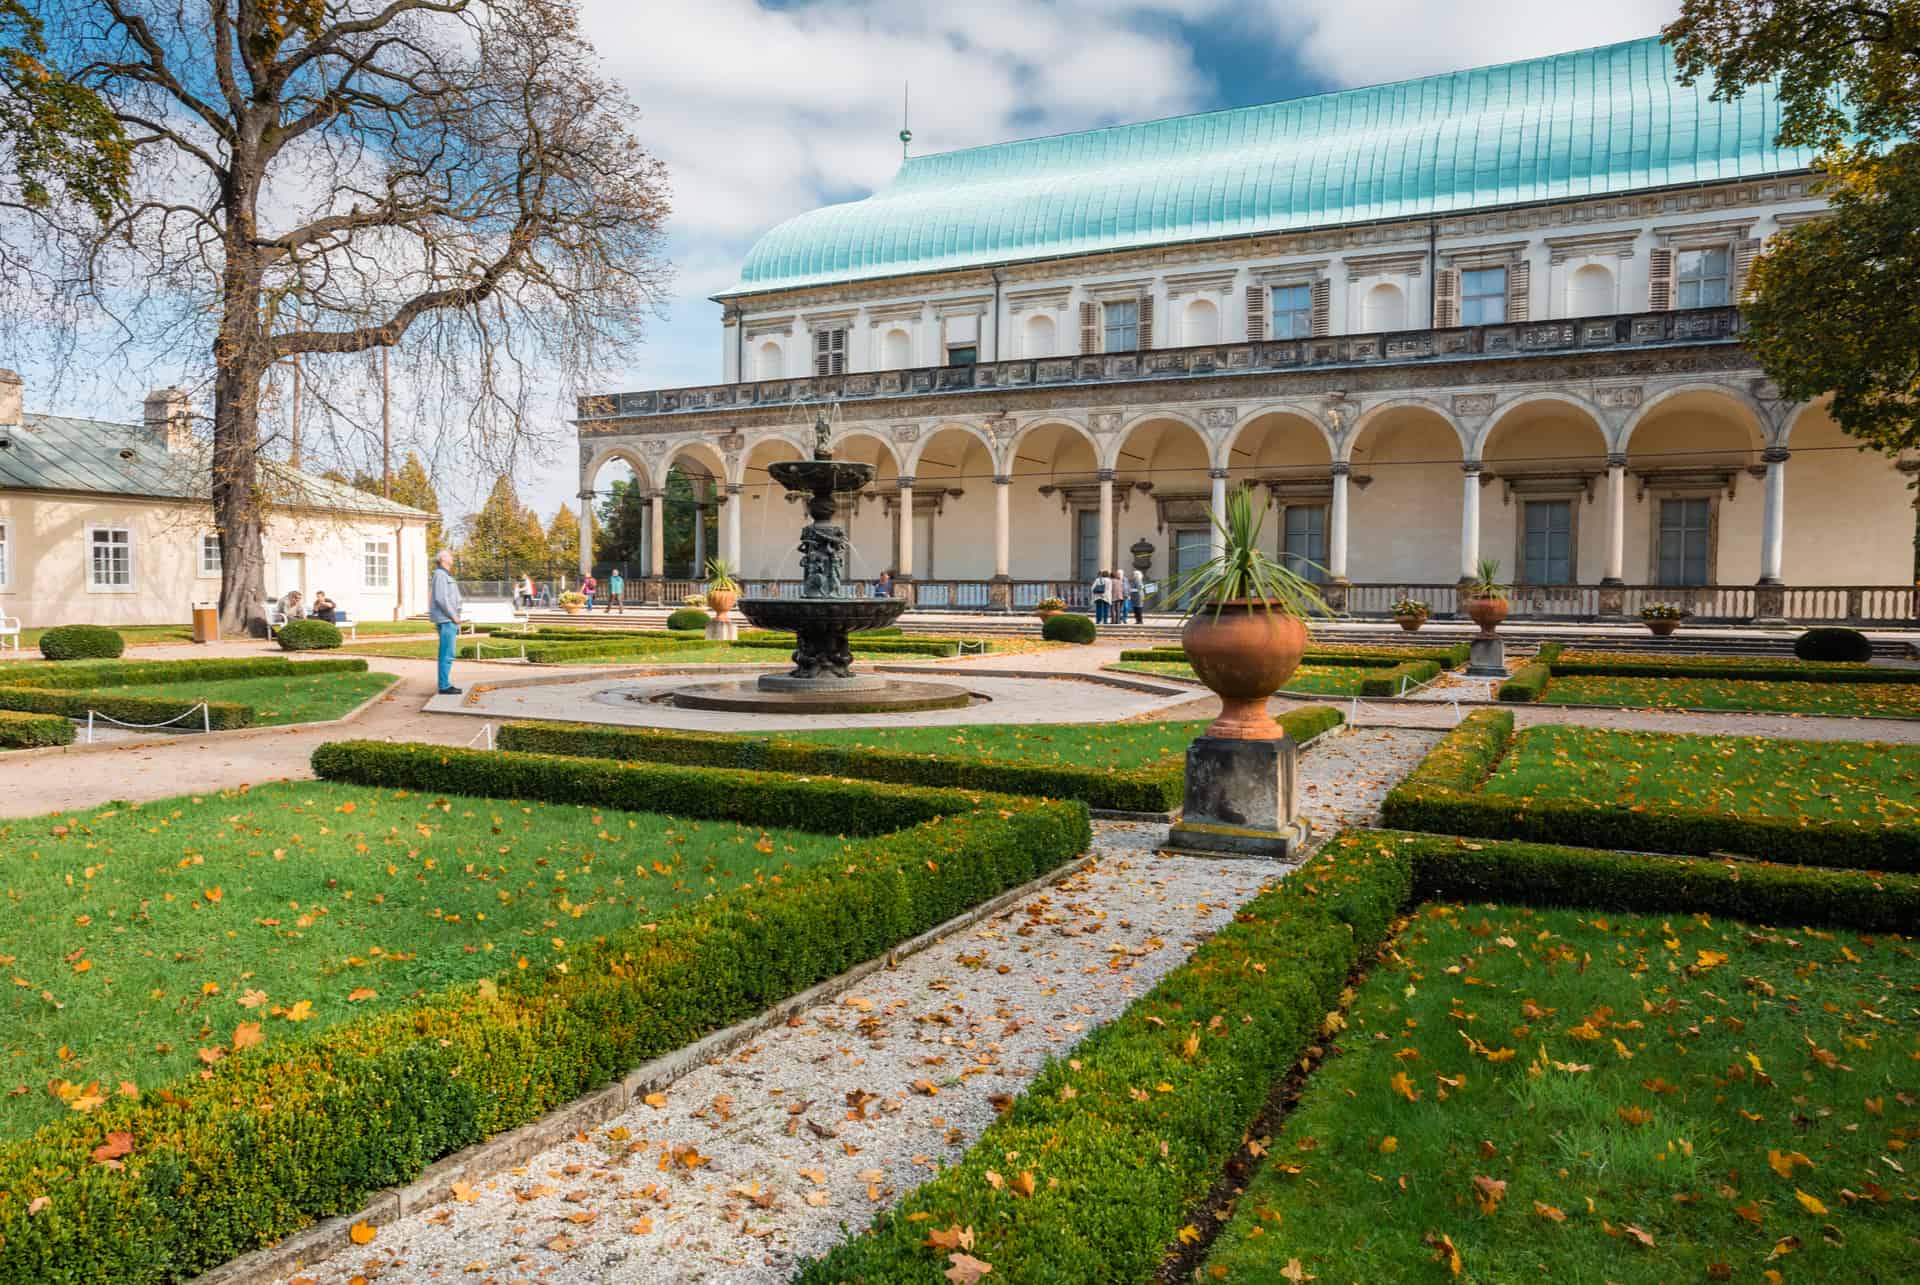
(1146, 322)
(1089, 328)
(1518, 275)
(1659, 280)
(1256, 313)
(1446, 298)
(829, 352)
(1322, 307)
(1744, 253)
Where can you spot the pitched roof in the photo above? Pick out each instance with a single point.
(63, 453)
(1598, 121)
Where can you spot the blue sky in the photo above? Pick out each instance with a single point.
(763, 109)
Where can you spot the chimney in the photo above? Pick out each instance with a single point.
(10, 388)
(169, 418)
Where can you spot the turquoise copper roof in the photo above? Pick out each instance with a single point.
(1607, 120)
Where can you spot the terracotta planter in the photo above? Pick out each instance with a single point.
(1045, 616)
(1487, 613)
(1661, 628)
(1244, 653)
(1410, 623)
(722, 600)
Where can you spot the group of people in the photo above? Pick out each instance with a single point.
(1114, 592)
(294, 607)
(616, 591)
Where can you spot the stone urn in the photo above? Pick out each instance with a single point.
(1487, 613)
(1662, 628)
(722, 600)
(573, 608)
(1410, 623)
(1047, 613)
(1244, 651)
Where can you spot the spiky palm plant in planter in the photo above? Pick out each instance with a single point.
(1486, 596)
(1246, 622)
(722, 589)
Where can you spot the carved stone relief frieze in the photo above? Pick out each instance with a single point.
(1473, 403)
(904, 433)
(1104, 422)
(1219, 417)
(1619, 396)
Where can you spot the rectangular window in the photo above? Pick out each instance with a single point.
(1547, 555)
(1086, 549)
(1701, 279)
(1292, 312)
(6, 556)
(963, 355)
(209, 555)
(1483, 296)
(379, 564)
(830, 351)
(109, 558)
(1685, 530)
(1122, 325)
(1304, 547)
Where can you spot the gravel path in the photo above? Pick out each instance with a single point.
(774, 1154)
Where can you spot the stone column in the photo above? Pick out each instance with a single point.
(657, 535)
(903, 564)
(1613, 596)
(699, 568)
(1773, 519)
(1217, 512)
(586, 533)
(1105, 476)
(1469, 519)
(1337, 525)
(1000, 592)
(730, 546)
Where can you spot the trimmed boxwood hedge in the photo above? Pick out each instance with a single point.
(1121, 1162)
(1751, 668)
(688, 618)
(1391, 682)
(222, 716)
(1833, 643)
(19, 731)
(1441, 796)
(81, 642)
(860, 642)
(308, 635)
(128, 673)
(1525, 684)
(1448, 657)
(1068, 626)
(305, 1128)
(1157, 787)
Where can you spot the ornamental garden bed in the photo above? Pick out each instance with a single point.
(1114, 767)
(239, 692)
(1107, 1168)
(413, 969)
(1834, 803)
(1311, 679)
(1451, 656)
(1715, 683)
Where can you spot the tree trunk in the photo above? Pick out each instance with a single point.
(236, 505)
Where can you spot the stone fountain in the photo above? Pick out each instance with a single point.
(822, 680)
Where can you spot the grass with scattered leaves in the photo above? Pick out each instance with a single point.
(137, 936)
(1869, 783)
(1527, 1094)
(1843, 700)
(1091, 745)
(293, 699)
(1308, 680)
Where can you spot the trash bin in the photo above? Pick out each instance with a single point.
(206, 622)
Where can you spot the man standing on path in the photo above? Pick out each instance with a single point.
(443, 608)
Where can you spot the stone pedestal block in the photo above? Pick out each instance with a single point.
(1334, 592)
(1769, 604)
(1613, 601)
(1241, 800)
(723, 630)
(1000, 593)
(1487, 658)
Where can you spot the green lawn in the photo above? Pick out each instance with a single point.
(136, 937)
(135, 635)
(1308, 680)
(1822, 781)
(1850, 700)
(297, 699)
(1121, 745)
(504, 648)
(1570, 1097)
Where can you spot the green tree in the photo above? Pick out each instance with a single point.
(1830, 303)
(63, 138)
(621, 518)
(504, 538)
(414, 488)
(563, 541)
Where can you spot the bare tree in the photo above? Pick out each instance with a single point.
(321, 177)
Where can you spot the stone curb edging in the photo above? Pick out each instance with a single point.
(207, 738)
(496, 1155)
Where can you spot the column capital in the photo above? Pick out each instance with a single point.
(1104, 475)
(1003, 479)
(904, 481)
(1776, 455)
(1470, 467)
(1339, 468)
(1217, 474)
(735, 488)
(1617, 459)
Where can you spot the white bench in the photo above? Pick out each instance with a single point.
(490, 613)
(277, 619)
(10, 633)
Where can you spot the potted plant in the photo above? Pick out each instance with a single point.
(1486, 597)
(1246, 622)
(722, 589)
(573, 603)
(1047, 608)
(1410, 613)
(1662, 618)
(697, 601)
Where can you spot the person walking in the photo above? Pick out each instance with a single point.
(443, 609)
(616, 587)
(587, 586)
(1137, 594)
(1101, 583)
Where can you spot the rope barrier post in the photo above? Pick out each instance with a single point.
(206, 719)
(89, 727)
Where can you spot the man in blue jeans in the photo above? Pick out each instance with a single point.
(443, 608)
